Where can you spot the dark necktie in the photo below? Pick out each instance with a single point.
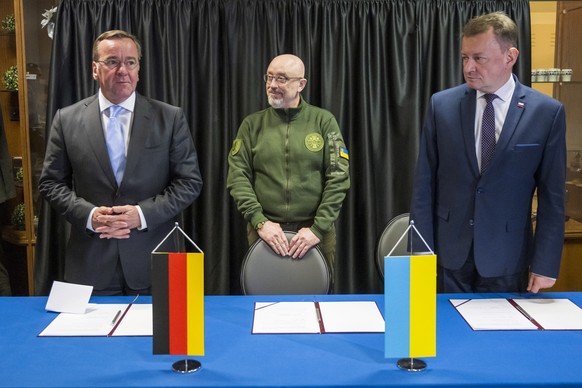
(488, 132)
(116, 142)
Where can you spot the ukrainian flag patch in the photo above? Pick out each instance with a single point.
(235, 147)
(344, 153)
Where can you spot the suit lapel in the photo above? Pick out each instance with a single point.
(467, 114)
(516, 109)
(468, 108)
(139, 132)
(94, 131)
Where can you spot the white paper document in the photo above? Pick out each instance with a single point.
(68, 298)
(317, 317)
(103, 320)
(519, 314)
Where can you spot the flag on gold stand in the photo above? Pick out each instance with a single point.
(178, 301)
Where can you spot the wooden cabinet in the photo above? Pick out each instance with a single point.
(17, 250)
(569, 56)
(571, 271)
(556, 32)
(27, 48)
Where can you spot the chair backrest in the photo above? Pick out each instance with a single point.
(388, 239)
(266, 273)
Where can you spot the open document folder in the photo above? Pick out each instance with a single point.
(103, 320)
(520, 314)
(317, 317)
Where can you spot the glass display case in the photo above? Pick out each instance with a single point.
(24, 47)
(557, 72)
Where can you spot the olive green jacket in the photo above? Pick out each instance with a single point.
(289, 166)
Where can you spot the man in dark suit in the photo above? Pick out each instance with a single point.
(474, 205)
(121, 197)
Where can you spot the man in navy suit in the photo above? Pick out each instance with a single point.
(476, 214)
(118, 214)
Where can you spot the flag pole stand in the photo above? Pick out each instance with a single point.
(186, 366)
(411, 364)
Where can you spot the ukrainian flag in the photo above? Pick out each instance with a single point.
(344, 153)
(178, 303)
(410, 306)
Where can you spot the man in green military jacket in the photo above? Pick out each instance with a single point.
(289, 167)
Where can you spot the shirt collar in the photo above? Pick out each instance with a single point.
(128, 104)
(504, 92)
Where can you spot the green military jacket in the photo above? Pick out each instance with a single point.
(289, 166)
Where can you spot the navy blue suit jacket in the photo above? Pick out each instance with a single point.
(454, 206)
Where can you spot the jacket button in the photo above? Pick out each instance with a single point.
(471, 222)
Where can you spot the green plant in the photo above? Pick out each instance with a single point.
(19, 175)
(17, 218)
(10, 79)
(8, 23)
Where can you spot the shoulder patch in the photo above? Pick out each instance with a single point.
(314, 142)
(235, 147)
(344, 153)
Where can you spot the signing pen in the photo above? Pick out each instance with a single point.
(115, 318)
(521, 310)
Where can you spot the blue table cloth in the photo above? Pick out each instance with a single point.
(236, 358)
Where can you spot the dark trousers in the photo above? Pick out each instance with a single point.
(118, 286)
(468, 280)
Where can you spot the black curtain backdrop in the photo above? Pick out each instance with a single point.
(374, 64)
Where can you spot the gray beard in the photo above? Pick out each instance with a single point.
(276, 103)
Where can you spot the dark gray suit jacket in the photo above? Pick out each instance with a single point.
(162, 176)
(454, 206)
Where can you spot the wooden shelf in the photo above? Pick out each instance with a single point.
(14, 236)
(573, 229)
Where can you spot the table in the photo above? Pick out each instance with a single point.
(236, 358)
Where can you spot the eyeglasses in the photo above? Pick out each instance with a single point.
(280, 79)
(115, 63)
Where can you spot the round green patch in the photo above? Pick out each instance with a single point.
(314, 142)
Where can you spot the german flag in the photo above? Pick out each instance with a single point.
(178, 303)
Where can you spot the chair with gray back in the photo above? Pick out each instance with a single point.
(392, 232)
(266, 273)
